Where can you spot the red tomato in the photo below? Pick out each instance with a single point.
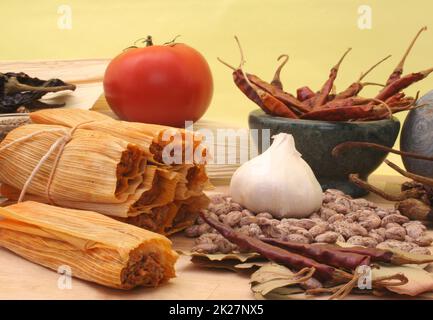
(163, 84)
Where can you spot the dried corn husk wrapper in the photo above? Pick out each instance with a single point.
(107, 166)
(94, 167)
(150, 194)
(95, 247)
(151, 137)
(99, 172)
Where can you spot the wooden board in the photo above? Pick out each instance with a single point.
(21, 279)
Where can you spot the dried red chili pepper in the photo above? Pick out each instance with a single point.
(304, 93)
(321, 98)
(259, 91)
(274, 106)
(344, 106)
(330, 255)
(347, 102)
(288, 99)
(246, 88)
(396, 74)
(402, 83)
(357, 86)
(376, 255)
(276, 81)
(395, 98)
(267, 102)
(292, 260)
(349, 113)
(321, 271)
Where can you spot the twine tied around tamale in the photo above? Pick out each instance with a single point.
(59, 143)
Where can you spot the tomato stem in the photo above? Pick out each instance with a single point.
(148, 41)
(172, 42)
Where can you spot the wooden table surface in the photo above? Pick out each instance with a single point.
(21, 279)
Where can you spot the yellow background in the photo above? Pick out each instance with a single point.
(313, 32)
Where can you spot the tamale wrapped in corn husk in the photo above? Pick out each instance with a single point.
(166, 219)
(148, 136)
(157, 189)
(95, 247)
(151, 137)
(101, 172)
(95, 167)
(171, 218)
(193, 180)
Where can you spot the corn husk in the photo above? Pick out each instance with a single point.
(101, 173)
(108, 166)
(95, 247)
(193, 180)
(171, 218)
(140, 202)
(151, 138)
(94, 167)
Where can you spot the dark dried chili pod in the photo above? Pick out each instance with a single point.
(19, 89)
(330, 255)
(292, 260)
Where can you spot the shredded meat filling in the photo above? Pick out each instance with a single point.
(151, 221)
(150, 196)
(142, 270)
(157, 148)
(127, 167)
(196, 177)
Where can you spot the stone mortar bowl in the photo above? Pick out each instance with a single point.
(316, 139)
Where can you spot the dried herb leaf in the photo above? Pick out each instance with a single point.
(228, 261)
(403, 257)
(400, 257)
(419, 280)
(250, 265)
(268, 286)
(273, 281)
(300, 295)
(221, 264)
(271, 271)
(242, 257)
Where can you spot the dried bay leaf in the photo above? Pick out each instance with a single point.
(400, 257)
(274, 281)
(294, 296)
(242, 257)
(250, 265)
(222, 264)
(271, 271)
(236, 262)
(419, 280)
(404, 257)
(268, 286)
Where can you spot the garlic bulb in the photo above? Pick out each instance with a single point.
(278, 181)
